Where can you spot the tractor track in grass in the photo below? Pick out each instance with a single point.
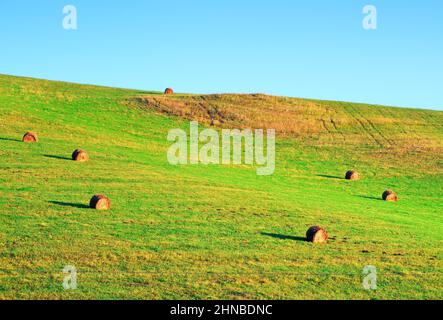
(371, 124)
(334, 124)
(374, 127)
(329, 115)
(361, 123)
(329, 124)
(429, 118)
(402, 128)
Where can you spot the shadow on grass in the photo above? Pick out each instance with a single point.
(10, 139)
(283, 237)
(72, 205)
(370, 198)
(56, 157)
(330, 177)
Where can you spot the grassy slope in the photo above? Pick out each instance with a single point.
(214, 232)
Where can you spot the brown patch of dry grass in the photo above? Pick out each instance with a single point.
(380, 133)
(287, 116)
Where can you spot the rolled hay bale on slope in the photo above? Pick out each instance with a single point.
(169, 91)
(30, 137)
(80, 155)
(352, 175)
(100, 202)
(390, 195)
(317, 234)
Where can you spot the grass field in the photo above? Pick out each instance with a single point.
(215, 232)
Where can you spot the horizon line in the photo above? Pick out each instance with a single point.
(438, 109)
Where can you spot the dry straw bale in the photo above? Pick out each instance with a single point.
(80, 155)
(390, 195)
(100, 202)
(169, 91)
(30, 137)
(352, 175)
(317, 234)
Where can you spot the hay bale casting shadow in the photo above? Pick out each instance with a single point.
(80, 155)
(283, 237)
(317, 234)
(9, 139)
(352, 175)
(390, 195)
(100, 202)
(68, 204)
(169, 91)
(30, 137)
(56, 157)
(329, 176)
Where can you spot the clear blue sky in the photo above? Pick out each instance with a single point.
(310, 48)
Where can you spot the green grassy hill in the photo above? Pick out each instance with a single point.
(191, 232)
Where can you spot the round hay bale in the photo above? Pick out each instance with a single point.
(169, 91)
(30, 137)
(100, 202)
(390, 195)
(352, 175)
(317, 234)
(80, 155)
